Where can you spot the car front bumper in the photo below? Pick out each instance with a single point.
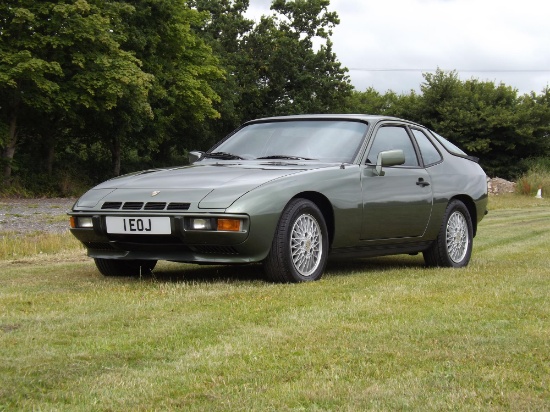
(183, 244)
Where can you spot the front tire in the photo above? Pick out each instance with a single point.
(453, 245)
(134, 268)
(300, 246)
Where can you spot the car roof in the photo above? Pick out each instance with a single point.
(370, 118)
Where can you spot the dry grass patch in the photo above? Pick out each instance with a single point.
(15, 245)
(516, 201)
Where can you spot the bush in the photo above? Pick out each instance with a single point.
(537, 177)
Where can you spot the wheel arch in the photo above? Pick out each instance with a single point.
(324, 206)
(471, 206)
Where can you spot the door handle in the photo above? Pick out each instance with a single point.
(421, 182)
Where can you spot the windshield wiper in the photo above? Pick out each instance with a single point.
(286, 157)
(223, 156)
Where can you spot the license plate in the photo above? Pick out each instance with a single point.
(138, 225)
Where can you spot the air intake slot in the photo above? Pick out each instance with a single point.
(215, 250)
(132, 206)
(98, 245)
(178, 206)
(154, 206)
(111, 205)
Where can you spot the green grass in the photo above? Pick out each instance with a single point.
(373, 334)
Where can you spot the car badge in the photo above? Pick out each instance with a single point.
(156, 192)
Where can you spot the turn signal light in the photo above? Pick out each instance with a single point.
(229, 225)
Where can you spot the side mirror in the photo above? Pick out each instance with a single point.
(195, 156)
(389, 158)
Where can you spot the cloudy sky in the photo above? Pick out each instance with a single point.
(387, 44)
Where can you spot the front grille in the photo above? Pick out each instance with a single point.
(158, 206)
(217, 250)
(146, 239)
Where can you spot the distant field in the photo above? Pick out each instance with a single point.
(373, 334)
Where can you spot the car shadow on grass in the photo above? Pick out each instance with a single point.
(172, 272)
(341, 267)
(180, 272)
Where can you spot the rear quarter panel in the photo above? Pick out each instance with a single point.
(456, 177)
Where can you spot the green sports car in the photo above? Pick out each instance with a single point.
(288, 192)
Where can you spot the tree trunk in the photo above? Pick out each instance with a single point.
(9, 149)
(115, 155)
(50, 155)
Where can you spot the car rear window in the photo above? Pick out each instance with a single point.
(451, 148)
(429, 153)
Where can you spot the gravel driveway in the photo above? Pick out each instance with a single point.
(34, 215)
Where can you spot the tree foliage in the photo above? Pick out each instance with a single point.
(57, 59)
(284, 64)
(288, 74)
(182, 67)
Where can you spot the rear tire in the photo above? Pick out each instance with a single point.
(134, 268)
(300, 246)
(453, 245)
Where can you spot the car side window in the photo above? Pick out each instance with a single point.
(429, 153)
(392, 138)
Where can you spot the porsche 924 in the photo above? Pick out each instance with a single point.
(289, 192)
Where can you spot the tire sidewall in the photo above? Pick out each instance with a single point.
(456, 206)
(299, 208)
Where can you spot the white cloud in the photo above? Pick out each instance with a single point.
(480, 38)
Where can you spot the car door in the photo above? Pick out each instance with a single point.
(398, 203)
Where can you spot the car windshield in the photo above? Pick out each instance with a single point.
(324, 140)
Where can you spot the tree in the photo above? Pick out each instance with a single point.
(59, 57)
(282, 65)
(226, 31)
(487, 120)
(163, 35)
(288, 76)
(373, 102)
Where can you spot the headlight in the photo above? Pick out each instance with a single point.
(81, 222)
(202, 224)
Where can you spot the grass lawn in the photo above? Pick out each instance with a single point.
(373, 334)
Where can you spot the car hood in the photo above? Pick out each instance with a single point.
(206, 186)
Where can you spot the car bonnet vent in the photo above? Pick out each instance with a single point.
(111, 205)
(154, 206)
(132, 206)
(178, 206)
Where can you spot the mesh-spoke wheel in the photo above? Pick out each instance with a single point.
(457, 237)
(453, 245)
(300, 246)
(306, 245)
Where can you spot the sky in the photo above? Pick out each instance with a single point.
(388, 44)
